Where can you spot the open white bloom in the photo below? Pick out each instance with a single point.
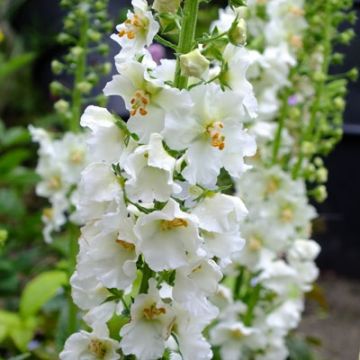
(213, 131)
(149, 101)
(90, 346)
(150, 173)
(137, 31)
(150, 326)
(168, 238)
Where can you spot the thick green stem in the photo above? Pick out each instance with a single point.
(187, 38)
(79, 76)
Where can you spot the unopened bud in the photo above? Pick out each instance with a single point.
(57, 67)
(162, 6)
(84, 87)
(61, 106)
(320, 193)
(322, 175)
(238, 32)
(308, 148)
(353, 74)
(194, 64)
(339, 103)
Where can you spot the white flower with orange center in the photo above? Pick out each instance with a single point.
(150, 326)
(91, 346)
(149, 101)
(213, 135)
(168, 238)
(138, 30)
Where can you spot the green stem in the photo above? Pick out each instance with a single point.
(309, 131)
(186, 39)
(73, 250)
(146, 275)
(79, 76)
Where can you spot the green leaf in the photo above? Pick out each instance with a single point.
(15, 64)
(11, 204)
(12, 159)
(15, 136)
(40, 290)
(21, 335)
(8, 320)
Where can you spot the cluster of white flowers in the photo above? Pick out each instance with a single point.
(59, 167)
(269, 277)
(158, 230)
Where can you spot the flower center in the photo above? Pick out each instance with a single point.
(217, 139)
(272, 186)
(153, 312)
(98, 348)
(296, 10)
(48, 213)
(133, 26)
(296, 41)
(76, 156)
(54, 182)
(139, 102)
(255, 244)
(125, 245)
(173, 224)
(236, 333)
(287, 215)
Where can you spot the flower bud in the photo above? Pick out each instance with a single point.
(61, 106)
(94, 35)
(84, 87)
(56, 88)
(238, 32)
(162, 6)
(308, 148)
(353, 74)
(339, 103)
(57, 67)
(194, 64)
(322, 174)
(320, 193)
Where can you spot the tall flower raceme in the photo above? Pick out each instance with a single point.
(62, 155)
(271, 275)
(158, 228)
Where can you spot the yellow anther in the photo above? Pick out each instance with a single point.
(98, 348)
(236, 333)
(287, 215)
(48, 213)
(254, 244)
(217, 139)
(173, 224)
(139, 102)
(126, 245)
(133, 26)
(77, 156)
(272, 186)
(296, 10)
(54, 182)
(296, 41)
(153, 312)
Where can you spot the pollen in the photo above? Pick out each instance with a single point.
(272, 186)
(98, 348)
(125, 245)
(153, 312)
(139, 103)
(133, 26)
(173, 224)
(215, 132)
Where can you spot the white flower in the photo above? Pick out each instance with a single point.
(137, 31)
(193, 284)
(150, 170)
(150, 326)
(107, 141)
(90, 346)
(169, 238)
(214, 135)
(149, 101)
